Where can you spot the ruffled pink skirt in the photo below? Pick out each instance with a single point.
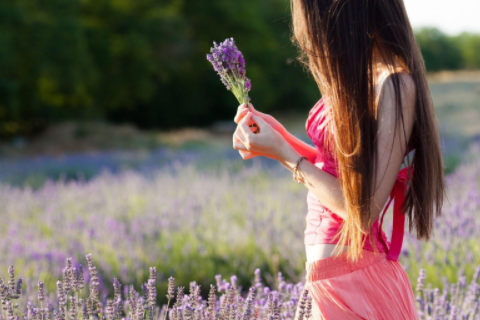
(372, 288)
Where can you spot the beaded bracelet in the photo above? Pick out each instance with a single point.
(295, 169)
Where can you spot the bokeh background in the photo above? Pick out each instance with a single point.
(116, 140)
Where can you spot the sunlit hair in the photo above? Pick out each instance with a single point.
(339, 42)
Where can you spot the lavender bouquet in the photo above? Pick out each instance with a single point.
(229, 63)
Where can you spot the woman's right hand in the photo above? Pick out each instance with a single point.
(242, 111)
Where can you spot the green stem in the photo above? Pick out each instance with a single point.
(66, 306)
(166, 311)
(76, 301)
(237, 86)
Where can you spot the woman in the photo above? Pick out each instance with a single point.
(376, 108)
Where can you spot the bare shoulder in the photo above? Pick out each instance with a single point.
(386, 102)
(387, 112)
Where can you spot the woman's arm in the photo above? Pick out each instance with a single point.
(298, 145)
(328, 189)
(301, 147)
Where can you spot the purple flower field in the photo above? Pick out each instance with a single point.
(194, 224)
(226, 300)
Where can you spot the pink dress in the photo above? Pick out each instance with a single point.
(376, 286)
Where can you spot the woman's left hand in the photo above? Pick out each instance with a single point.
(267, 141)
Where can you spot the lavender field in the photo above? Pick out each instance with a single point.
(226, 300)
(194, 224)
(202, 215)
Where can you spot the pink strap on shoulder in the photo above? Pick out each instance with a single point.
(398, 192)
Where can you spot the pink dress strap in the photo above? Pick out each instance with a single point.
(398, 192)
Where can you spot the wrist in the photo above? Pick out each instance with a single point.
(289, 155)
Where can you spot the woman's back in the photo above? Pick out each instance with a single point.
(322, 225)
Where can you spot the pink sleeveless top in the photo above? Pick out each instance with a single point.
(322, 223)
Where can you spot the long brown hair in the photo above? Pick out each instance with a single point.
(338, 41)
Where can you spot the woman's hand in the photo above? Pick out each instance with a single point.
(242, 111)
(266, 141)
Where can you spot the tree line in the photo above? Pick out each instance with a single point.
(144, 62)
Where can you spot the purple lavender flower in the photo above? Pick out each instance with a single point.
(153, 273)
(94, 300)
(233, 280)
(211, 301)
(152, 293)
(229, 63)
(141, 308)
(80, 279)
(49, 312)
(421, 280)
(110, 310)
(11, 280)
(41, 294)
(62, 302)
(19, 287)
(73, 307)
(66, 280)
(248, 311)
(116, 290)
(180, 292)
(145, 294)
(90, 307)
(188, 312)
(308, 312)
(9, 305)
(171, 288)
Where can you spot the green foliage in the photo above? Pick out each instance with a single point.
(139, 61)
(470, 50)
(438, 50)
(144, 61)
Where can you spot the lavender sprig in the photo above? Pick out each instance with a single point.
(229, 63)
(170, 293)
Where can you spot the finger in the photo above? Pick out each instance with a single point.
(240, 115)
(259, 121)
(234, 142)
(253, 110)
(244, 128)
(235, 138)
(249, 155)
(242, 106)
(239, 137)
(246, 154)
(256, 112)
(238, 145)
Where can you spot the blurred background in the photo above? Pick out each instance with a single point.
(115, 139)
